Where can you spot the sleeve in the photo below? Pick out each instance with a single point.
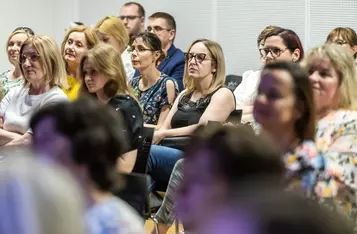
(5, 102)
(177, 74)
(57, 96)
(245, 92)
(132, 115)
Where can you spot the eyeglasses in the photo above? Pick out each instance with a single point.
(156, 29)
(32, 58)
(200, 57)
(274, 51)
(129, 17)
(131, 49)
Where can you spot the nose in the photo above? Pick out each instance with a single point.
(261, 99)
(314, 77)
(87, 78)
(26, 63)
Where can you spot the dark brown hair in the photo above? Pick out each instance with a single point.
(305, 127)
(290, 39)
(265, 32)
(153, 42)
(141, 9)
(166, 16)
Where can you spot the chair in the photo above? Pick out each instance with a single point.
(136, 194)
(232, 81)
(144, 151)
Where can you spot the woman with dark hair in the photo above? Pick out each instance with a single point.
(282, 45)
(155, 90)
(87, 138)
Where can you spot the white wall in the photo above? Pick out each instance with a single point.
(235, 24)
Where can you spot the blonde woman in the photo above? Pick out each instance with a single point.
(32, 197)
(42, 66)
(112, 31)
(13, 78)
(77, 41)
(333, 75)
(103, 76)
(204, 99)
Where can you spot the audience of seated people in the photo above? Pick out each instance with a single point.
(155, 90)
(164, 26)
(75, 43)
(87, 138)
(44, 73)
(132, 14)
(303, 107)
(103, 76)
(13, 78)
(279, 45)
(112, 31)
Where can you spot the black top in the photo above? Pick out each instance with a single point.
(132, 116)
(189, 112)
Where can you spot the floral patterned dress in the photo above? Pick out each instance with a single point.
(154, 98)
(326, 171)
(6, 83)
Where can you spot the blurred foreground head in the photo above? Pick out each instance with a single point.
(36, 197)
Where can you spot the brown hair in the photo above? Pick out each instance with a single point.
(347, 34)
(265, 32)
(305, 126)
(153, 42)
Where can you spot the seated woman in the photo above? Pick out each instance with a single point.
(333, 76)
(279, 45)
(77, 41)
(345, 37)
(204, 99)
(86, 138)
(103, 76)
(155, 91)
(13, 78)
(44, 71)
(112, 31)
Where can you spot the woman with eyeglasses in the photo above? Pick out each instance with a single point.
(204, 99)
(13, 78)
(112, 31)
(155, 90)
(345, 37)
(43, 69)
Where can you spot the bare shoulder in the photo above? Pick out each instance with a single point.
(223, 93)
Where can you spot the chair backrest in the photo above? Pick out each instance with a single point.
(235, 117)
(135, 192)
(232, 81)
(143, 151)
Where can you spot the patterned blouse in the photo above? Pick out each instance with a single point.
(154, 98)
(327, 171)
(6, 84)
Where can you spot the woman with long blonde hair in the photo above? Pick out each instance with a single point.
(77, 41)
(112, 31)
(103, 76)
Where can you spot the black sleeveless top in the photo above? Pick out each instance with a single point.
(189, 112)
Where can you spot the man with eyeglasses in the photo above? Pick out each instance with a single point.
(164, 26)
(132, 14)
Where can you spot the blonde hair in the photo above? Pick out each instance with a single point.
(107, 61)
(111, 25)
(14, 33)
(345, 33)
(345, 67)
(89, 34)
(219, 77)
(37, 197)
(50, 59)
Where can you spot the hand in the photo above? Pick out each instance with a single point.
(158, 136)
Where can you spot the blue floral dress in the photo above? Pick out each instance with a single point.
(154, 98)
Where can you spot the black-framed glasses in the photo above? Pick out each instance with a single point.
(274, 51)
(131, 49)
(156, 29)
(200, 57)
(32, 58)
(129, 17)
